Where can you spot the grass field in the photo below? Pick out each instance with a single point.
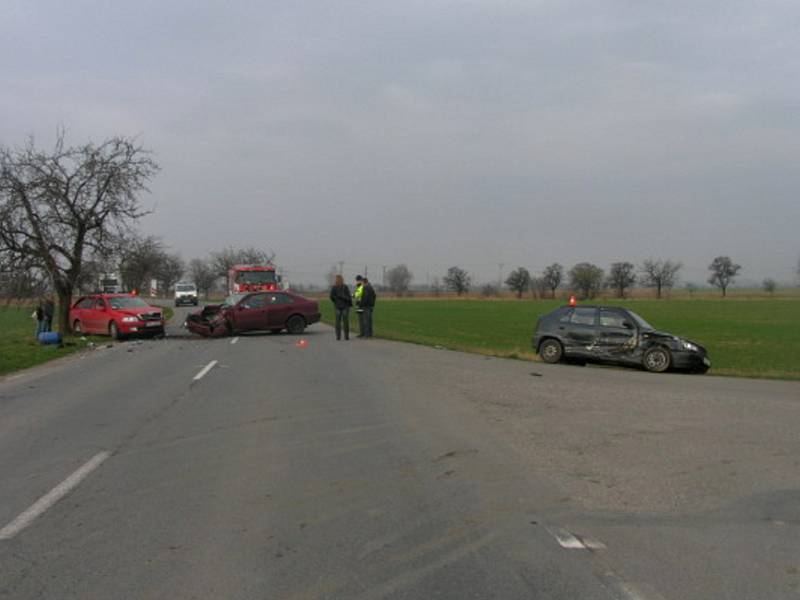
(19, 349)
(744, 337)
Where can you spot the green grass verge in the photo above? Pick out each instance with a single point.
(20, 350)
(18, 346)
(750, 338)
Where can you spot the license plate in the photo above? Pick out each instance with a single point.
(153, 324)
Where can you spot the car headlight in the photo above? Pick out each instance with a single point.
(690, 346)
(130, 319)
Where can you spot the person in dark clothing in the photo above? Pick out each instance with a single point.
(342, 301)
(368, 305)
(38, 314)
(49, 310)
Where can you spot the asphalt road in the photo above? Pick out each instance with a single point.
(254, 467)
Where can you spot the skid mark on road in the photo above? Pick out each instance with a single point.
(39, 507)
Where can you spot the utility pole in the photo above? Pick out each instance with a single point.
(500, 279)
(383, 281)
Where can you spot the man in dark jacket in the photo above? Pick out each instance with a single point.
(49, 312)
(342, 301)
(368, 304)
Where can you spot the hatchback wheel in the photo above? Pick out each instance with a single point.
(551, 351)
(657, 360)
(296, 324)
(76, 328)
(113, 331)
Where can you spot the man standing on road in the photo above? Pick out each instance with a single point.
(358, 296)
(368, 304)
(340, 296)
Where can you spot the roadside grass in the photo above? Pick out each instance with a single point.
(20, 350)
(758, 337)
(18, 347)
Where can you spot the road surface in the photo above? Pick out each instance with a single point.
(257, 467)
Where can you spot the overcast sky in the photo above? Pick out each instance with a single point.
(435, 133)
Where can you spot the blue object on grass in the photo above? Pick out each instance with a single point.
(50, 337)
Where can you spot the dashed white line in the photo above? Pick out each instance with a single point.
(51, 497)
(234, 340)
(566, 539)
(205, 370)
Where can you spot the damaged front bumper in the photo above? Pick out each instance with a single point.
(209, 322)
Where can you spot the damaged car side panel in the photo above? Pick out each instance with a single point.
(255, 311)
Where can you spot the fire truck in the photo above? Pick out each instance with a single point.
(252, 278)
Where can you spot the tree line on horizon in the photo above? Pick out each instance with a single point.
(67, 216)
(586, 280)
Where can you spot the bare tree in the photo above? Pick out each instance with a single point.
(169, 271)
(540, 287)
(553, 276)
(769, 285)
(18, 283)
(723, 273)
(399, 278)
(621, 277)
(203, 275)
(519, 281)
(141, 261)
(458, 280)
(659, 274)
(57, 206)
(586, 279)
(224, 259)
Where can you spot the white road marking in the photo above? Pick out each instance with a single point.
(205, 370)
(51, 497)
(632, 591)
(592, 543)
(234, 340)
(566, 539)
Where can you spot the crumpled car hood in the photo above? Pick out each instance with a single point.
(209, 322)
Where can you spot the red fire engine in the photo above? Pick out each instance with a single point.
(252, 278)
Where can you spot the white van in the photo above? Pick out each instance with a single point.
(185, 293)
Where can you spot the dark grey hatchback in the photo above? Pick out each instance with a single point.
(611, 334)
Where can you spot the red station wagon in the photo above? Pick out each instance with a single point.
(117, 315)
(255, 311)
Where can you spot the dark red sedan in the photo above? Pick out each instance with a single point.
(117, 315)
(255, 311)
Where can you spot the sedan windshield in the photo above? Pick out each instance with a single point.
(127, 302)
(640, 321)
(233, 299)
(185, 288)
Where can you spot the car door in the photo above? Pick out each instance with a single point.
(101, 316)
(89, 317)
(251, 313)
(280, 307)
(580, 332)
(616, 334)
(80, 310)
